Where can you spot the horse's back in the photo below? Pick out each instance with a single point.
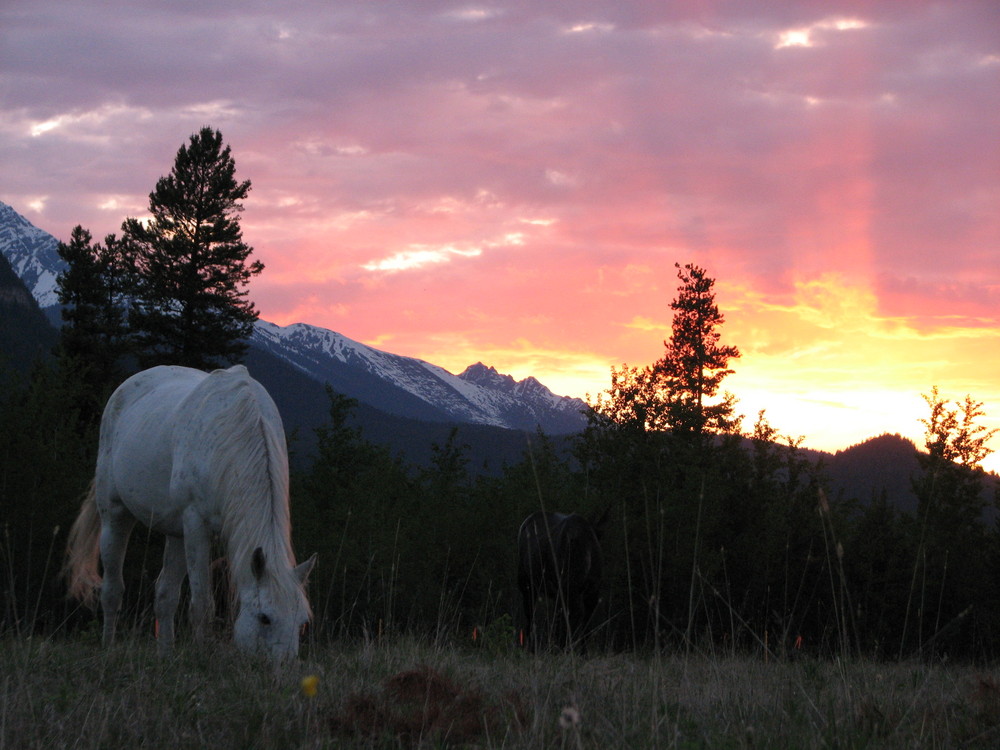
(228, 417)
(148, 394)
(231, 394)
(152, 403)
(581, 548)
(134, 456)
(157, 416)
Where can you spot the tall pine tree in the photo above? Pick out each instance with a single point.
(191, 306)
(695, 363)
(647, 446)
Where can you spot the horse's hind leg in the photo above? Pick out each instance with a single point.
(116, 526)
(168, 591)
(527, 632)
(525, 635)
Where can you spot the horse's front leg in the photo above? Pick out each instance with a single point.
(116, 527)
(527, 599)
(168, 591)
(197, 552)
(575, 621)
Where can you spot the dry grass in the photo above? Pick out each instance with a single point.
(73, 693)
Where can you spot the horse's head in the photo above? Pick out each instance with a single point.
(273, 608)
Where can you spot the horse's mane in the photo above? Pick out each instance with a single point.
(250, 470)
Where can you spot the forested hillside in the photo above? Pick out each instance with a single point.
(712, 530)
(726, 536)
(25, 333)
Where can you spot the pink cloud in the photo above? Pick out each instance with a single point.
(470, 184)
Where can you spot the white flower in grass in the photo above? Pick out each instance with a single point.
(570, 717)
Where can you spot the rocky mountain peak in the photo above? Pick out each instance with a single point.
(481, 374)
(32, 254)
(400, 385)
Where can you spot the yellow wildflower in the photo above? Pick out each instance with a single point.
(309, 685)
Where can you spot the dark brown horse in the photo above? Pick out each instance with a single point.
(559, 576)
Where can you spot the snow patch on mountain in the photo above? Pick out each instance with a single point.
(32, 254)
(479, 395)
(403, 385)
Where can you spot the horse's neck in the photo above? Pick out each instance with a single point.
(256, 513)
(273, 541)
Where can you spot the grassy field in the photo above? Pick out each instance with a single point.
(60, 693)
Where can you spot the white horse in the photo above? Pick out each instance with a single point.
(190, 454)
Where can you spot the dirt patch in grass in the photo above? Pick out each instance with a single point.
(422, 704)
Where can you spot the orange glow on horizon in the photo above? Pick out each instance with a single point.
(832, 167)
(824, 364)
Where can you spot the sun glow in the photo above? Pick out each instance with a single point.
(805, 37)
(40, 128)
(794, 38)
(91, 124)
(828, 363)
(418, 256)
(499, 200)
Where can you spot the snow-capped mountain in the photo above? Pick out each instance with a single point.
(32, 254)
(395, 384)
(480, 395)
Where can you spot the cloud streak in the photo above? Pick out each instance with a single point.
(513, 183)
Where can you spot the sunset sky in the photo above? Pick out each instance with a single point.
(513, 182)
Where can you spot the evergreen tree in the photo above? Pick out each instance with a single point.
(950, 489)
(694, 365)
(94, 338)
(45, 465)
(646, 445)
(191, 305)
(950, 534)
(342, 453)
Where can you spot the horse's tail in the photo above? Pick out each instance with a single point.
(82, 552)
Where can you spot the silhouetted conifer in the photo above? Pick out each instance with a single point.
(191, 306)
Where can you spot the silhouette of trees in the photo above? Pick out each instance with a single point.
(675, 394)
(94, 339)
(190, 304)
(949, 531)
(714, 537)
(660, 442)
(694, 364)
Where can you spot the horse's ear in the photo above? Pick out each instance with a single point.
(258, 563)
(303, 570)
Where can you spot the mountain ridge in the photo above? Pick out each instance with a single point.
(407, 404)
(32, 255)
(405, 386)
(26, 334)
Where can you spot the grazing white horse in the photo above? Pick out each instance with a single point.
(189, 454)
